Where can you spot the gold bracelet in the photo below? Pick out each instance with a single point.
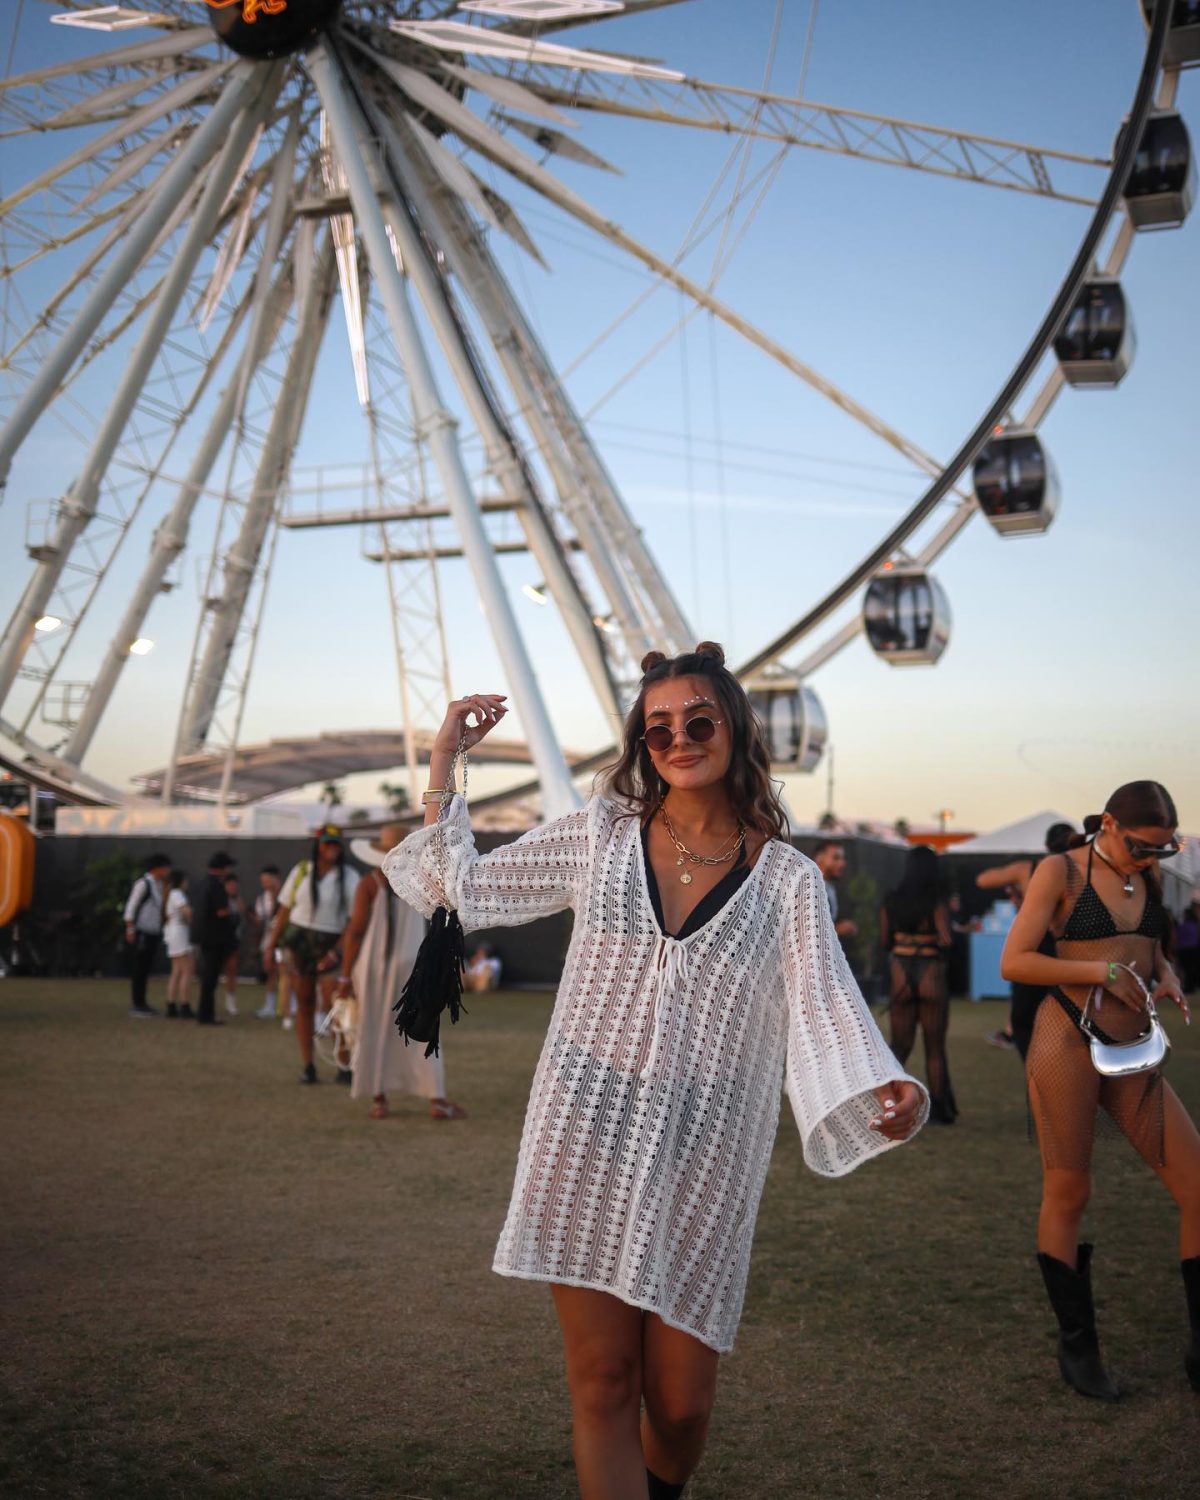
(433, 795)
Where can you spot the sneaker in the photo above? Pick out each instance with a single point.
(310, 1074)
(230, 1003)
(1000, 1039)
(288, 1022)
(266, 1011)
(141, 1012)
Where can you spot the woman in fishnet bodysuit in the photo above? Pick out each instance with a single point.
(915, 927)
(1103, 903)
(703, 976)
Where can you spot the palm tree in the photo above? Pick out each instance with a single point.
(395, 795)
(332, 796)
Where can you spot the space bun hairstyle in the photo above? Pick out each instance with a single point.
(632, 777)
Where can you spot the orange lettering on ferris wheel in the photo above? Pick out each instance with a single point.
(252, 8)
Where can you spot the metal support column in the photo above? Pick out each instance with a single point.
(171, 535)
(358, 152)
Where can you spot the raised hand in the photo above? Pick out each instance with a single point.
(486, 709)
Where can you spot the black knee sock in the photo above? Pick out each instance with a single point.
(660, 1489)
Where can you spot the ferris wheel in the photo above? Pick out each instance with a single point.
(255, 170)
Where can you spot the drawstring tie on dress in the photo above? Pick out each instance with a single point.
(670, 970)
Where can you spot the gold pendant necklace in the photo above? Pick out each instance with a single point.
(721, 857)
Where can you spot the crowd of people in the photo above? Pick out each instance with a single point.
(332, 949)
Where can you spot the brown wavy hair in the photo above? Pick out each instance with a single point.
(751, 791)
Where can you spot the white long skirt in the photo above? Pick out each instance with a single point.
(382, 1062)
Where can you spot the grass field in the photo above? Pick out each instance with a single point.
(217, 1283)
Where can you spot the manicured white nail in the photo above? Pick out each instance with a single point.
(891, 1115)
(889, 1103)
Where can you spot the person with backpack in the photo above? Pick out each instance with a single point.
(143, 930)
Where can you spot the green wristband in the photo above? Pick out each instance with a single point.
(1113, 966)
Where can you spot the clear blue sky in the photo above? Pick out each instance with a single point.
(1070, 667)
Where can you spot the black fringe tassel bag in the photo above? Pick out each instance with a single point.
(436, 981)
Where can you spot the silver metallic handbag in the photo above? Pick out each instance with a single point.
(1125, 1059)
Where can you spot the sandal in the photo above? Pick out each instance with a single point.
(379, 1109)
(446, 1109)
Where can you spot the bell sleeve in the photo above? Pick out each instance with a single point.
(542, 872)
(836, 1055)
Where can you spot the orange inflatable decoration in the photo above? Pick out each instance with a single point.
(17, 849)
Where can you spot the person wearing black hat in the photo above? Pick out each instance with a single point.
(143, 930)
(213, 933)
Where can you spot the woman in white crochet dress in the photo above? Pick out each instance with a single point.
(703, 976)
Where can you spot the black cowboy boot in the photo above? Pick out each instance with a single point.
(1070, 1294)
(1191, 1285)
(659, 1488)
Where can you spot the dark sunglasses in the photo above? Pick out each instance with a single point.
(1152, 851)
(700, 730)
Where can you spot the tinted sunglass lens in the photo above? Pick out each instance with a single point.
(658, 738)
(700, 729)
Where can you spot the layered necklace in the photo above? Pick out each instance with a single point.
(722, 857)
(1128, 879)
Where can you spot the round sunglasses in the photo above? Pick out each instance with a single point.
(700, 730)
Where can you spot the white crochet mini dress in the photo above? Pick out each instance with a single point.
(655, 1103)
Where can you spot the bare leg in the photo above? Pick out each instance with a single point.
(679, 1380)
(304, 989)
(602, 1341)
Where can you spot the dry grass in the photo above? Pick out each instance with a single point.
(217, 1283)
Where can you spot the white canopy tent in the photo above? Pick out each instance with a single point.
(1026, 836)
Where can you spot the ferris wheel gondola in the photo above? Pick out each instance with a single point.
(906, 615)
(1096, 344)
(1016, 483)
(792, 718)
(1182, 49)
(1161, 186)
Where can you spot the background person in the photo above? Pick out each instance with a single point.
(830, 858)
(143, 930)
(314, 907)
(378, 948)
(229, 971)
(914, 926)
(703, 970)
(483, 970)
(178, 938)
(1014, 879)
(1103, 902)
(212, 931)
(262, 917)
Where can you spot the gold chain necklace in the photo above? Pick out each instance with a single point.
(722, 857)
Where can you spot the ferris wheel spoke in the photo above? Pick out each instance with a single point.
(470, 128)
(79, 506)
(178, 45)
(244, 91)
(425, 191)
(756, 115)
(181, 95)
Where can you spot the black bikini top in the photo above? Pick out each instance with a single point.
(1091, 919)
(708, 906)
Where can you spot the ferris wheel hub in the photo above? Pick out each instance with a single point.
(263, 29)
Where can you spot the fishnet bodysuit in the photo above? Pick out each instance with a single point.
(1064, 1087)
(655, 1103)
